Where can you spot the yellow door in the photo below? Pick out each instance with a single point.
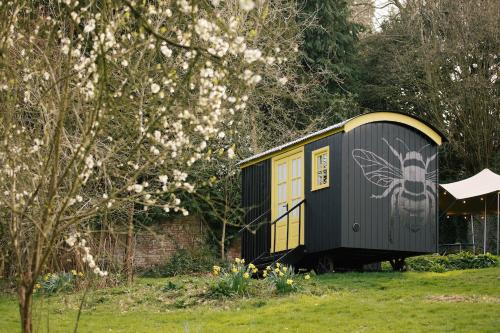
(287, 191)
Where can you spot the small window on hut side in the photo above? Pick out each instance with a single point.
(320, 168)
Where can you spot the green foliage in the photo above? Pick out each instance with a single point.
(170, 286)
(462, 260)
(330, 45)
(283, 278)
(52, 283)
(234, 280)
(184, 262)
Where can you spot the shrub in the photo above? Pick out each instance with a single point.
(283, 278)
(462, 260)
(183, 262)
(52, 283)
(232, 281)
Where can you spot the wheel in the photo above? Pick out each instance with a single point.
(398, 264)
(324, 265)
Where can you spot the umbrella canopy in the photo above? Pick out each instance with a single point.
(470, 195)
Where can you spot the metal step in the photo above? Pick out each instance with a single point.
(288, 257)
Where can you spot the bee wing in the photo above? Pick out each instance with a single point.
(376, 169)
(431, 176)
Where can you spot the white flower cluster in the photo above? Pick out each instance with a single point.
(78, 242)
(108, 99)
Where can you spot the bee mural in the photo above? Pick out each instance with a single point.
(411, 185)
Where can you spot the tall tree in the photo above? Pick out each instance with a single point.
(106, 104)
(440, 60)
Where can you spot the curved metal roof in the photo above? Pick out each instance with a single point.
(349, 124)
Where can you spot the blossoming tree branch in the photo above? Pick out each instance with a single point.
(106, 104)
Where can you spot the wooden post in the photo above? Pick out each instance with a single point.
(473, 243)
(498, 218)
(485, 227)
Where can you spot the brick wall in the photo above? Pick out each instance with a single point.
(160, 242)
(234, 249)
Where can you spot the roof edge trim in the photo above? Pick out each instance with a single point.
(397, 118)
(346, 126)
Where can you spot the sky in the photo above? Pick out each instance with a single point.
(381, 13)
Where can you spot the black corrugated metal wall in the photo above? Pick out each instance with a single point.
(256, 187)
(399, 219)
(323, 211)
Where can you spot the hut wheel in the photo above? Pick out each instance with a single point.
(398, 264)
(325, 265)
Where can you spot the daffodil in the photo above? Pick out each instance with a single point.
(246, 275)
(255, 270)
(73, 272)
(264, 274)
(281, 274)
(234, 270)
(307, 277)
(237, 260)
(289, 282)
(285, 269)
(251, 266)
(278, 264)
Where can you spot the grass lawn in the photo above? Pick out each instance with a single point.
(457, 301)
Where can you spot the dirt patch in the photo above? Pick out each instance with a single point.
(464, 299)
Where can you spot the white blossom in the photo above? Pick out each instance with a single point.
(230, 153)
(283, 80)
(166, 51)
(247, 5)
(252, 55)
(155, 88)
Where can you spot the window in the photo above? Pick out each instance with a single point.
(320, 168)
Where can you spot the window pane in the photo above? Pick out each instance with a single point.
(282, 192)
(281, 172)
(321, 161)
(281, 209)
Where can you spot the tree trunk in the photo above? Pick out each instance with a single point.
(223, 241)
(130, 247)
(25, 302)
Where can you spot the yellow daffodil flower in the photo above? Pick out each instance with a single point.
(285, 269)
(289, 282)
(307, 277)
(237, 260)
(246, 275)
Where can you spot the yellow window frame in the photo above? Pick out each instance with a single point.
(314, 155)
